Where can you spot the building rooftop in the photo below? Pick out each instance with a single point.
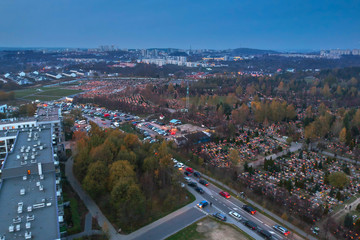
(28, 195)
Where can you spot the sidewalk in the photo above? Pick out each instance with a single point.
(88, 229)
(279, 219)
(89, 203)
(95, 211)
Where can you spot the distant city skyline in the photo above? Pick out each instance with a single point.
(274, 25)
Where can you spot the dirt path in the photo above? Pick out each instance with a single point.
(214, 231)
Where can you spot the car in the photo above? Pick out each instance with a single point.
(187, 173)
(202, 204)
(182, 185)
(249, 209)
(235, 215)
(281, 230)
(251, 225)
(197, 174)
(265, 234)
(187, 179)
(224, 194)
(192, 184)
(190, 170)
(220, 216)
(199, 190)
(203, 182)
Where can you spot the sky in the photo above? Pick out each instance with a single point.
(201, 24)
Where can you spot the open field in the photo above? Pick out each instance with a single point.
(45, 93)
(210, 229)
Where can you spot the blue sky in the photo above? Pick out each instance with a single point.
(222, 24)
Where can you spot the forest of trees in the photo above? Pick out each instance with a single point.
(134, 183)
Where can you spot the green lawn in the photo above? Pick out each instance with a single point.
(45, 93)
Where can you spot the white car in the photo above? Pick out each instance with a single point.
(187, 179)
(235, 215)
(181, 165)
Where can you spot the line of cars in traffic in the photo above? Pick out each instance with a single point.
(221, 216)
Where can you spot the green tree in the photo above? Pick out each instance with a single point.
(234, 157)
(338, 179)
(95, 180)
(348, 221)
(342, 135)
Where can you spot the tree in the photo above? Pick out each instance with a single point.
(234, 157)
(121, 170)
(239, 91)
(356, 118)
(348, 221)
(281, 86)
(338, 179)
(171, 88)
(290, 112)
(342, 135)
(96, 179)
(326, 91)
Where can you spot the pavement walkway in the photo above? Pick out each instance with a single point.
(105, 223)
(106, 226)
(88, 229)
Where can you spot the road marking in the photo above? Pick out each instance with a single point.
(235, 208)
(219, 210)
(201, 210)
(267, 225)
(258, 219)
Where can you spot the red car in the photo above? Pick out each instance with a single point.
(190, 170)
(224, 194)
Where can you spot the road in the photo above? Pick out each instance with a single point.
(293, 148)
(221, 204)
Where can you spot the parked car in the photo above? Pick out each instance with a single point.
(202, 204)
(189, 169)
(192, 184)
(249, 209)
(251, 225)
(197, 174)
(220, 216)
(203, 182)
(281, 230)
(199, 190)
(224, 194)
(187, 173)
(235, 215)
(265, 234)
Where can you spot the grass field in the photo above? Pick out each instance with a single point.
(45, 93)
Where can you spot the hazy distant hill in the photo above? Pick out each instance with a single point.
(251, 51)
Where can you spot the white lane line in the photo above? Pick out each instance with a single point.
(258, 219)
(267, 225)
(219, 209)
(201, 210)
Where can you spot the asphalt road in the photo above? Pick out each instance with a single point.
(224, 205)
(172, 226)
